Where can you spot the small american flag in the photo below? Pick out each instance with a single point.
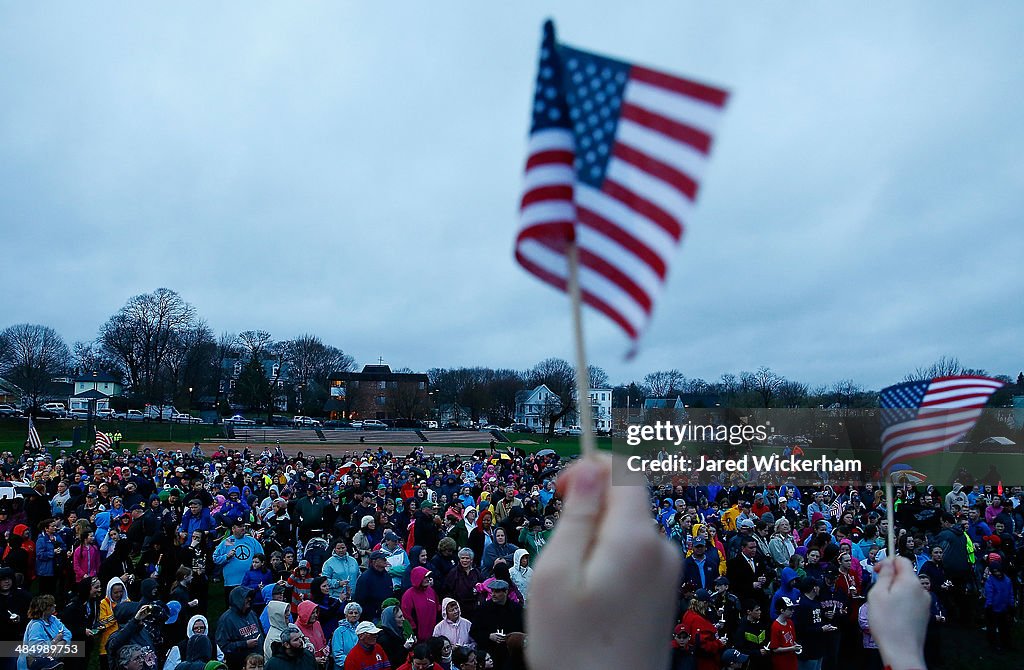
(835, 510)
(33, 436)
(924, 417)
(103, 440)
(616, 154)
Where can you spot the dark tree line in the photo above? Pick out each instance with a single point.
(165, 353)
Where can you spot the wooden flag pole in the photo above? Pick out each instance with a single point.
(890, 515)
(588, 442)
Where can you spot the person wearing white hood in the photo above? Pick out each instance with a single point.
(521, 572)
(197, 625)
(116, 594)
(453, 626)
(277, 613)
(956, 497)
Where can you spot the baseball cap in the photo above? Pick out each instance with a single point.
(700, 542)
(702, 595)
(721, 581)
(366, 627)
(391, 536)
(733, 656)
(787, 604)
(304, 563)
(426, 504)
(745, 523)
(377, 554)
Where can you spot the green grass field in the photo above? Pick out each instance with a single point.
(14, 432)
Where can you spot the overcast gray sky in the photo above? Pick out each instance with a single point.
(353, 170)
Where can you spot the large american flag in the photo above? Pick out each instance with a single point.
(924, 417)
(616, 154)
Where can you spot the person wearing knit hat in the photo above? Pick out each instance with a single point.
(364, 540)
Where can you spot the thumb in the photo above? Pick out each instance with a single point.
(585, 487)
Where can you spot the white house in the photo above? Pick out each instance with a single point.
(98, 386)
(533, 406)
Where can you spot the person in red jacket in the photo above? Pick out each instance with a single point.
(704, 641)
(783, 645)
(420, 659)
(420, 604)
(367, 654)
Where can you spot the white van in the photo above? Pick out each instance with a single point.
(374, 424)
(165, 412)
(55, 409)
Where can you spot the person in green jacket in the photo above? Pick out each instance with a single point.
(310, 510)
(290, 652)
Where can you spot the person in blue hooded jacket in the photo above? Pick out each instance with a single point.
(235, 553)
(788, 589)
(196, 517)
(233, 508)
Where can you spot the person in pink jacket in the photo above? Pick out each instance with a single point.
(420, 604)
(85, 559)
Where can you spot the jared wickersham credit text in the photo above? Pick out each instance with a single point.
(772, 463)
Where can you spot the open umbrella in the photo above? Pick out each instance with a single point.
(546, 452)
(901, 473)
(11, 490)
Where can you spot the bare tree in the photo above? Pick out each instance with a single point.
(560, 378)
(31, 356)
(598, 377)
(764, 383)
(141, 336)
(254, 343)
(663, 383)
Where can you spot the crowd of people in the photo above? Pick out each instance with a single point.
(376, 560)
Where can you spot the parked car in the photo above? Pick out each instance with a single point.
(432, 425)
(337, 423)
(56, 410)
(358, 425)
(78, 414)
(104, 414)
(570, 430)
(280, 420)
(374, 424)
(185, 418)
(9, 410)
(131, 415)
(520, 428)
(491, 426)
(300, 420)
(240, 420)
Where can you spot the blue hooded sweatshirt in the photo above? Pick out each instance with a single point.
(791, 592)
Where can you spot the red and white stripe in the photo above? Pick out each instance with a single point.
(628, 230)
(949, 409)
(103, 440)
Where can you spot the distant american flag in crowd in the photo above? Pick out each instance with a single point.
(835, 510)
(616, 154)
(924, 417)
(33, 436)
(103, 440)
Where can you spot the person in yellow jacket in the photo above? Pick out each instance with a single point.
(729, 517)
(116, 594)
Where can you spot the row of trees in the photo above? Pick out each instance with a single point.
(164, 352)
